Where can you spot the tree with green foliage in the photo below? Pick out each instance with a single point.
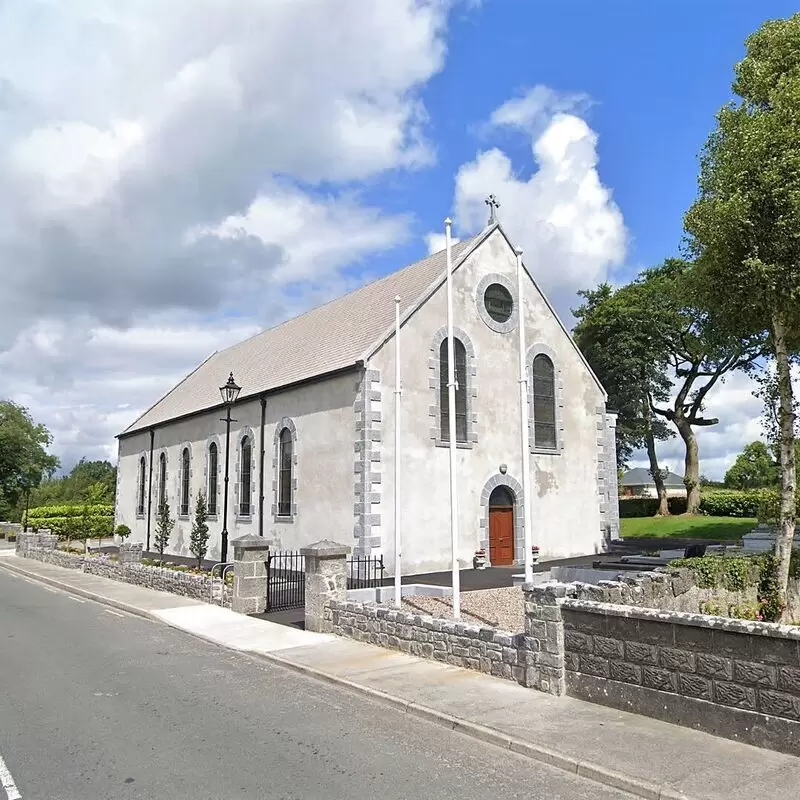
(24, 460)
(754, 468)
(198, 543)
(700, 354)
(744, 228)
(98, 478)
(648, 338)
(164, 525)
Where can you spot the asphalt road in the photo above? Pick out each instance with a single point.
(98, 704)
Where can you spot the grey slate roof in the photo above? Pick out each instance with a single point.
(640, 476)
(327, 338)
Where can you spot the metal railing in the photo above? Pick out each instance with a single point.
(365, 572)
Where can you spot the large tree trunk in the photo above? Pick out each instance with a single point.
(658, 478)
(691, 473)
(786, 523)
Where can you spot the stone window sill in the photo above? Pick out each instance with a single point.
(140, 516)
(284, 520)
(546, 451)
(212, 517)
(459, 445)
(245, 519)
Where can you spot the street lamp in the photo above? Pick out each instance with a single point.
(230, 391)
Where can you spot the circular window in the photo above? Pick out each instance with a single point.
(498, 302)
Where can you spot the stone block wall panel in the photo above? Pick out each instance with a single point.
(732, 678)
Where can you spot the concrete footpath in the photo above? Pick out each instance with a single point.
(645, 757)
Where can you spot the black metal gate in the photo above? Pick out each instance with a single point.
(286, 577)
(286, 580)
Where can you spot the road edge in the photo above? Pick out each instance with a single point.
(574, 766)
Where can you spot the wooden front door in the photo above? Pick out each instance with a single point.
(501, 528)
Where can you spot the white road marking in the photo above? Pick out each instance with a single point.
(76, 599)
(115, 613)
(8, 782)
(48, 589)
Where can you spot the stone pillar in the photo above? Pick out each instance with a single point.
(23, 541)
(326, 579)
(612, 478)
(249, 574)
(130, 553)
(543, 624)
(47, 539)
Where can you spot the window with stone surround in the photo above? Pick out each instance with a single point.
(285, 458)
(466, 419)
(140, 498)
(183, 510)
(460, 359)
(245, 476)
(213, 468)
(544, 403)
(162, 479)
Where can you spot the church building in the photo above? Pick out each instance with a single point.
(312, 443)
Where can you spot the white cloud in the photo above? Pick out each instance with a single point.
(437, 241)
(166, 168)
(740, 415)
(562, 216)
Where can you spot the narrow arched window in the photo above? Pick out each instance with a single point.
(285, 457)
(140, 493)
(544, 403)
(162, 479)
(460, 353)
(246, 464)
(213, 456)
(185, 467)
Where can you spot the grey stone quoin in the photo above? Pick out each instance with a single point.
(326, 581)
(250, 574)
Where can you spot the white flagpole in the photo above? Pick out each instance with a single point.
(451, 417)
(398, 598)
(527, 488)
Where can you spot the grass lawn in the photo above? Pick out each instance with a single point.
(694, 527)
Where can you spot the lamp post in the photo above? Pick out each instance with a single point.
(230, 391)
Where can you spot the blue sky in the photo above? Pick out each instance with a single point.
(656, 70)
(176, 176)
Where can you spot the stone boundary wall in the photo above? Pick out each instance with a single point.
(185, 584)
(487, 650)
(732, 678)
(671, 589)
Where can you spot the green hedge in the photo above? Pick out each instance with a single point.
(74, 521)
(760, 503)
(647, 506)
(73, 510)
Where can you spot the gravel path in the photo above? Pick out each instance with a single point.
(495, 608)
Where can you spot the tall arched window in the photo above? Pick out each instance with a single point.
(185, 467)
(460, 354)
(213, 457)
(285, 458)
(544, 403)
(140, 493)
(162, 478)
(245, 470)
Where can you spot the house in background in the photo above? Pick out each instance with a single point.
(638, 482)
(312, 444)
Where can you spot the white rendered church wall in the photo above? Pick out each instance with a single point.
(565, 507)
(322, 413)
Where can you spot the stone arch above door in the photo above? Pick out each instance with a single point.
(515, 487)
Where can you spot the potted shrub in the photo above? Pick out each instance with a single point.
(479, 559)
(122, 532)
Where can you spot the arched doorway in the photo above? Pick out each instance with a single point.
(501, 527)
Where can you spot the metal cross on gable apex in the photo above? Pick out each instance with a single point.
(491, 201)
